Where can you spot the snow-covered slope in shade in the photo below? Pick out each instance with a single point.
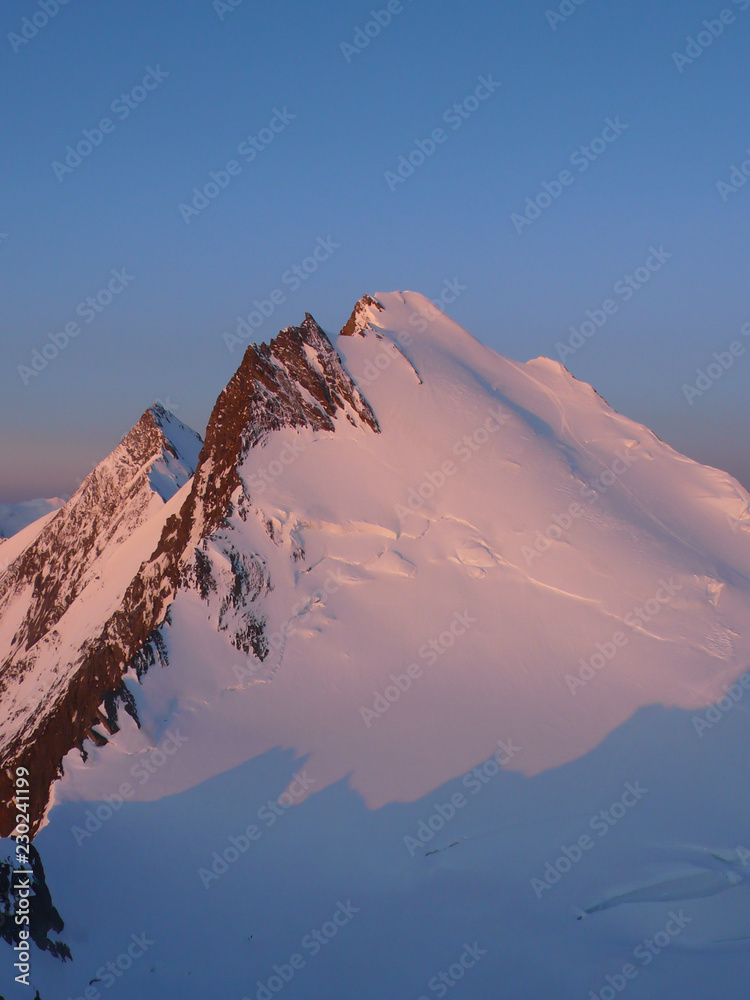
(15, 516)
(462, 559)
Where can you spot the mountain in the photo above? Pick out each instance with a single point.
(56, 591)
(436, 656)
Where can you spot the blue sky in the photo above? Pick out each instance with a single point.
(315, 130)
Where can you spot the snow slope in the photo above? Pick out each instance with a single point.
(467, 558)
(502, 570)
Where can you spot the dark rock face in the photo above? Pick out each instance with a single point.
(108, 506)
(267, 392)
(356, 324)
(56, 563)
(296, 381)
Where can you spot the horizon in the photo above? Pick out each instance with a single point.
(581, 174)
(234, 344)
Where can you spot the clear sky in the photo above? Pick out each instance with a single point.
(316, 122)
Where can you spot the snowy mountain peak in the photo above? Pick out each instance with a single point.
(360, 319)
(151, 463)
(181, 448)
(301, 375)
(168, 423)
(79, 560)
(480, 573)
(324, 533)
(297, 381)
